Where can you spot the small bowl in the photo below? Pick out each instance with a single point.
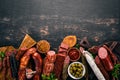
(81, 70)
(74, 54)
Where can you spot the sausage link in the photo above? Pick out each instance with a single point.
(3, 76)
(36, 77)
(20, 53)
(48, 68)
(38, 63)
(101, 67)
(105, 58)
(21, 74)
(9, 73)
(23, 63)
(24, 60)
(113, 56)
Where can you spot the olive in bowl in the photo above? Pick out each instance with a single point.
(76, 70)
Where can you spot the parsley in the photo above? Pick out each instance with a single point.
(116, 71)
(77, 46)
(2, 55)
(51, 77)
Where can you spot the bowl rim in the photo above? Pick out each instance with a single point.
(78, 52)
(84, 70)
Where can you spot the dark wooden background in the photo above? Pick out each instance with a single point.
(99, 20)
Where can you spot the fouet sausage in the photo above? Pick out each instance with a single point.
(92, 64)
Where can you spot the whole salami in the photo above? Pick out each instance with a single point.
(103, 55)
(101, 67)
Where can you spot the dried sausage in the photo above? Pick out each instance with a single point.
(20, 53)
(104, 56)
(38, 63)
(24, 62)
(101, 67)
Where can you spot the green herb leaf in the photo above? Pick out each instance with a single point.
(77, 46)
(51, 77)
(94, 55)
(2, 55)
(116, 71)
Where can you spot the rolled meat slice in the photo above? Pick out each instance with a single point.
(49, 63)
(101, 67)
(48, 68)
(51, 56)
(103, 55)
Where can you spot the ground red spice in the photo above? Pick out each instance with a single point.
(73, 54)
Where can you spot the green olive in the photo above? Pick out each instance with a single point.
(76, 70)
(71, 71)
(76, 76)
(80, 75)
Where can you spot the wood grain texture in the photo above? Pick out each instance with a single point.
(54, 19)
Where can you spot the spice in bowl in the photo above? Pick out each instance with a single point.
(76, 70)
(74, 54)
(43, 46)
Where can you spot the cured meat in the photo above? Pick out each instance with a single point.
(51, 56)
(104, 56)
(20, 53)
(112, 55)
(61, 50)
(59, 65)
(24, 62)
(92, 64)
(38, 65)
(21, 74)
(9, 73)
(94, 49)
(49, 63)
(48, 68)
(64, 46)
(65, 67)
(13, 65)
(101, 67)
(4, 69)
